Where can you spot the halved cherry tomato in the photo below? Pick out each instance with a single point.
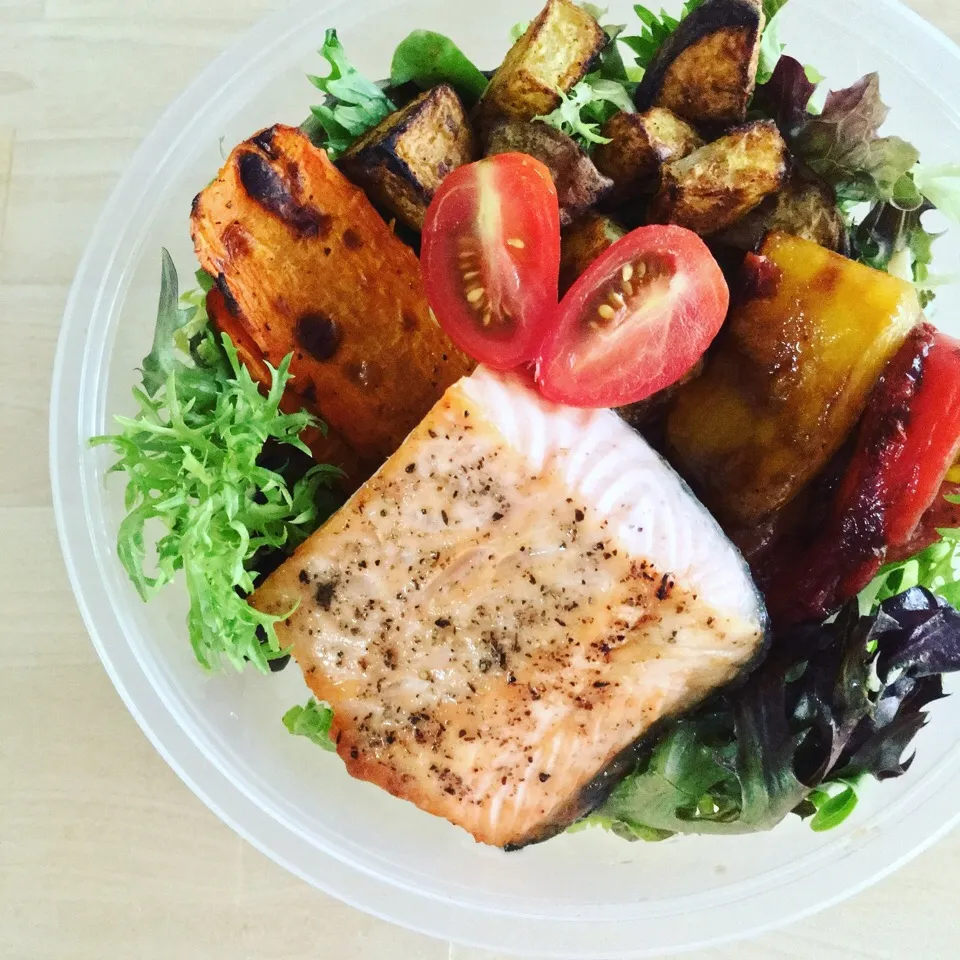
(636, 322)
(491, 258)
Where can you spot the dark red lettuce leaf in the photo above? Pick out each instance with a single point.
(786, 96)
(919, 634)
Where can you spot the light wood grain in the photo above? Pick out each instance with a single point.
(104, 853)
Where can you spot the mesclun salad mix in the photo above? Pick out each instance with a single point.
(674, 253)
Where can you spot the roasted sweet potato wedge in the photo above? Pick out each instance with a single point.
(640, 144)
(326, 445)
(580, 185)
(582, 243)
(805, 208)
(707, 71)
(790, 380)
(307, 266)
(722, 182)
(552, 56)
(401, 162)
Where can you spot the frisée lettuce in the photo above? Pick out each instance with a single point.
(197, 489)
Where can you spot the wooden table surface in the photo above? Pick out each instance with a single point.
(104, 853)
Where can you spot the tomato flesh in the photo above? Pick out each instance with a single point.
(636, 322)
(491, 258)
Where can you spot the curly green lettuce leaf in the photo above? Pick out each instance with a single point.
(353, 103)
(587, 107)
(519, 29)
(197, 490)
(427, 59)
(312, 721)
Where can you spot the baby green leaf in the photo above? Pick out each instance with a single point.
(427, 59)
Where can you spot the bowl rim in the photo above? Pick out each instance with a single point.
(223, 84)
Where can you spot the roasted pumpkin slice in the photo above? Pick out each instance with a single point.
(307, 266)
(785, 389)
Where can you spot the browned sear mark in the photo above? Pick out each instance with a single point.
(318, 335)
(267, 188)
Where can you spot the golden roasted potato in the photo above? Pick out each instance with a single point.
(791, 378)
(640, 144)
(403, 160)
(580, 185)
(718, 184)
(805, 208)
(308, 267)
(707, 71)
(552, 56)
(582, 243)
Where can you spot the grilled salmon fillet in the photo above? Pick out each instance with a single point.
(513, 601)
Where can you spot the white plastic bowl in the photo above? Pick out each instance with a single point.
(588, 895)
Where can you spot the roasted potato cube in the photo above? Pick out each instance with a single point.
(718, 184)
(805, 208)
(707, 71)
(552, 56)
(640, 144)
(402, 161)
(582, 243)
(791, 379)
(580, 185)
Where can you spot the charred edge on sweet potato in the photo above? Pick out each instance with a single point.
(401, 162)
(281, 196)
(707, 71)
(554, 55)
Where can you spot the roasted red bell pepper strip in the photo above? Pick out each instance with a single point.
(908, 441)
